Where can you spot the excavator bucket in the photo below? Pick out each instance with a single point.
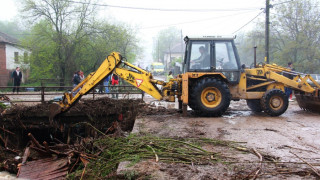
(308, 102)
(54, 109)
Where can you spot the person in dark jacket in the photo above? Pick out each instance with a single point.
(17, 77)
(76, 80)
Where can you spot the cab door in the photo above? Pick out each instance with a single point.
(226, 60)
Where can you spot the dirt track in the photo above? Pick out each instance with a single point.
(296, 131)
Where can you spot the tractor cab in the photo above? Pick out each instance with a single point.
(212, 54)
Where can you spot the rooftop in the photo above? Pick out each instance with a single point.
(8, 39)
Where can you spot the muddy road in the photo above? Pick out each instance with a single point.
(294, 132)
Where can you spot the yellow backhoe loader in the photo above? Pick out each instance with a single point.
(212, 77)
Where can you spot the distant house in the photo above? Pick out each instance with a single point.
(177, 51)
(10, 57)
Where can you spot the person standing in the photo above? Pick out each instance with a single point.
(288, 90)
(81, 76)
(76, 80)
(169, 76)
(115, 82)
(17, 77)
(106, 84)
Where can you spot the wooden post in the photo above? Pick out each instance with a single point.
(184, 110)
(42, 94)
(93, 93)
(142, 93)
(180, 105)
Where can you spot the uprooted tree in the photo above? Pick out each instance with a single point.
(66, 36)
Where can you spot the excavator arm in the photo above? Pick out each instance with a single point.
(112, 64)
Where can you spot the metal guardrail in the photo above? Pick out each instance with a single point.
(42, 91)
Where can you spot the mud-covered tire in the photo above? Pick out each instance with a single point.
(254, 105)
(274, 102)
(210, 97)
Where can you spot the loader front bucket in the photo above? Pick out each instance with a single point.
(309, 102)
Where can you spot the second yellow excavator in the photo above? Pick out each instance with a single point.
(212, 77)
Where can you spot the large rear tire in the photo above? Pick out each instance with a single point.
(274, 102)
(210, 97)
(254, 105)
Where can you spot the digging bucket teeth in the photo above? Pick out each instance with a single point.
(309, 102)
(54, 109)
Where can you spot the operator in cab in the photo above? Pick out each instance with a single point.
(203, 61)
(203, 56)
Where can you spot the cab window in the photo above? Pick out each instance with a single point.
(200, 56)
(225, 56)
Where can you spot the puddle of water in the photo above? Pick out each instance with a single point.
(231, 117)
(310, 129)
(5, 175)
(233, 114)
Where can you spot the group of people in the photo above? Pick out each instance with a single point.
(78, 77)
(105, 85)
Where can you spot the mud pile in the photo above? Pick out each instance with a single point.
(23, 127)
(101, 112)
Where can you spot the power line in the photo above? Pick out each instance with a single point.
(163, 9)
(195, 21)
(248, 22)
(283, 2)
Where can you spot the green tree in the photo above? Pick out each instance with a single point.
(66, 37)
(295, 35)
(68, 25)
(296, 28)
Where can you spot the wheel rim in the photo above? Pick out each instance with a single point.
(211, 97)
(276, 102)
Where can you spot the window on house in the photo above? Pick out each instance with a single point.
(16, 56)
(25, 56)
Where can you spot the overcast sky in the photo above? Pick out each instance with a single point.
(193, 17)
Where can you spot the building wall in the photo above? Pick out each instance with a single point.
(10, 61)
(10, 50)
(4, 73)
(8, 64)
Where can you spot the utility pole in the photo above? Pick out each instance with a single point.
(181, 40)
(266, 58)
(158, 60)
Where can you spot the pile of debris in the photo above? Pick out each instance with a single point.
(23, 127)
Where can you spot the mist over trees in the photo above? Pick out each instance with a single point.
(66, 36)
(164, 41)
(13, 29)
(294, 37)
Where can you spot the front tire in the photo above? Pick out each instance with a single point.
(210, 97)
(274, 102)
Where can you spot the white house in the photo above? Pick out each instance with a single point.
(11, 54)
(177, 51)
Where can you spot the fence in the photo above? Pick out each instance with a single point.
(47, 93)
